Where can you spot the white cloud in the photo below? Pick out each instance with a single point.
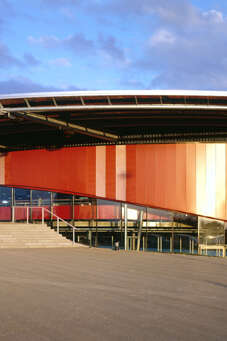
(60, 62)
(23, 84)
(46, 41)
(7, 59)
(188, 49)
(105, 47)
(111, 53)
(213, 16)
(162, 36)
(67, 12)
(78, 43)
(175, 43)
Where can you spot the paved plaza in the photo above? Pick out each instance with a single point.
(95, 294)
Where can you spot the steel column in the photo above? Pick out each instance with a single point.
(126, 225)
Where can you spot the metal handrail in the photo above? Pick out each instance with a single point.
(43, 217)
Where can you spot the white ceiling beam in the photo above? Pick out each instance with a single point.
(117, 106)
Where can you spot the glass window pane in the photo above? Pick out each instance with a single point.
(62, 199)
(108, 210)
(40, 198)
(5, 196)
(22, 196)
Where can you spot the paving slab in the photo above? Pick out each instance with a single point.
(96, 294)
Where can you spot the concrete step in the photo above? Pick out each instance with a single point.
(47, 229)
(38, 246)
(34, 243)
(28, 231)
(24, 227)
(6, 240)
(34, 236)
(21, 224)
(18, 235)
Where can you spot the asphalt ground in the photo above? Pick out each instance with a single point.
(95, 294)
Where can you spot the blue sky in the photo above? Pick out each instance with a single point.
(112, 44)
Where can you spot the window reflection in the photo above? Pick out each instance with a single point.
(101, 222)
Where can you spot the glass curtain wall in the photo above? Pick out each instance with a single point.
(102, 223)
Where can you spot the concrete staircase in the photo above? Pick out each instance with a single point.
(18, 235)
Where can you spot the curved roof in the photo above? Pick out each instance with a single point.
(201, 93)
(55, 119)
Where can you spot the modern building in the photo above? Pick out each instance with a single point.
(160, 155)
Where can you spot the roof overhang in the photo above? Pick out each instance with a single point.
(54, 119)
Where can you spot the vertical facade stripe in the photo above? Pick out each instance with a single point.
(210, 179)
(169, 168)
(180, 184)
(190, 176)
(2, 169)
(201, 179)
(220, 169)
(111, 172)
(225, 215)
(121, 173)
(101, 171)
(131, 171)
(90, 171)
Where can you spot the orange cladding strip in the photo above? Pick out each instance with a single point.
(143, 182)
(220, 164)
(201, 166)
(66, 169)
(131, 173)
(111, 172)
(90, 170)
(182, 177)
(101, 171)
(225, 180)
(210, 179)
(190, 177)
(121, 173)
(170, 175)
(180, 184)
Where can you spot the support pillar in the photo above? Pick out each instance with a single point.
(90, 238)
(133, 241)
(29, 217)
(13, 204)
(126, 225)
(73, 210)
(51, 205)
(180, 244)
(171, 244)
(140, 230)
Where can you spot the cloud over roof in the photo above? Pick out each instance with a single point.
(114, 44)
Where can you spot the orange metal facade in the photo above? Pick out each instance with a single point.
(184, 177)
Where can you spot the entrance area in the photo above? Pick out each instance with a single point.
(102, 223)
